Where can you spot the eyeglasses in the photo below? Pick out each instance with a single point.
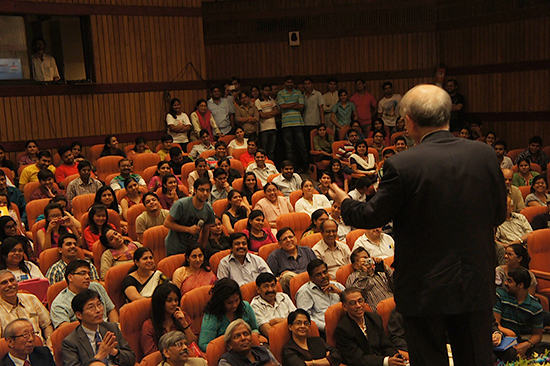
(26, 336)
(179, 344)
(355, 302)
(290, 237)
(307, 323)
(82, 273)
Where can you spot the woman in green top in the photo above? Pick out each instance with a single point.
(322, 142)
(524, 176)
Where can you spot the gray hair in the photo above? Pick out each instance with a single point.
(5, 271)
(231, 327)
(169, 339)
(9, 330)
(427, 105)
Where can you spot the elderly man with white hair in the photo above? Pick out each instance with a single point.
(173, 348)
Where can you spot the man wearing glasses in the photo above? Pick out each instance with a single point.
(94, 339)
(174, 352)
(15, 305)
(20, 337)
(77, 275)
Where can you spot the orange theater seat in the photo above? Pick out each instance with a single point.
(215, 260)
(217, 348)
(298, 221)
(266, 249)
(525, 190)
(186, 169)
(107, 165)
(296, 282)
(50, 256)
(219, 207)
(133, 213)
(153, 238)
(311, 240)
(531, 212)
(384, 309)
(332, 316)
(193, 303)
(81, 204)
(113, 283)
(34, 209)
(394, 136)
(279, 335)
(169, 264)
(532, 166)
(54, 290)
(336, 145)
(58, 336)
(30, 187)
(132, 317)
(152, 359)
(343, 273)
(237, 165)
(148, 173)
(114, 219)
(144, 161)
(352, 237)
(95, 153)
(539, 250)
(237, 153)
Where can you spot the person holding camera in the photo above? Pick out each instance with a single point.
(371, 276)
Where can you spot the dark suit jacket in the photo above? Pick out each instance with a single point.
(77, 349)
(294, 355)
(356, 349)
(444, 196)
(40, 356)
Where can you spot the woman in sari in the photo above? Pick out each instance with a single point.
(118, 250)
(194, 272)
(201, 119)
(143, 278)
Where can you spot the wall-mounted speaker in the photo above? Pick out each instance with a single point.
(294, 38)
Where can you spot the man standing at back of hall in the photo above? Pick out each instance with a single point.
(445, 196)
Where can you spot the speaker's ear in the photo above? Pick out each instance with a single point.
(294, 38)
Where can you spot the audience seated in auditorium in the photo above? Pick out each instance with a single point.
(365, 104)
(5, 202)
(247, 115)
(515, 256)
(465, 133)
(104, 340)
(201, 170)
(76, 149)
(12, 257)
(221, 153)
(343, 229)
(288, 181)
(240, 265)
(249, 156)
(514, 230)
(77, 275)
(301, 348)
(344, 111)
(133, 196)
(250, 186)
(45, 189)
(223, 111)
(16, 305)
(236, 210)
(344, 152)
(238, 339)
(518, 313)
(337, 174)
(225, 306)
(270, 306)
(323, 187)
(378, 138)
(57, 223)
(170, 191)
(361, 161)
(174, 351)
(68, 250)
(317, 218)
(14, 194)
(203, 119)
(84, 184)
(311, 201)
(269, 110)
(167, 317)
(500, 151)
(220, 188)
(8, 227)
(534, 153)
(491, 138)
(360, 335)
(205, 145)
(31, 154)
(371, 276)
(361, 189)
(106, 196)
(331, 251)
(118, 250)
(322, 142)
(166, 142)
(177, 160)
(239, 142)
(30, 173)
(257, 234)
(317, 295)
(154, 215)
(67, 167)
(111, 147)
(143, 278)
(194, 271)
(356, 125)
(126, 168)
(232, 174)
(140, 147)
(188, 217)
(378, 244)
(513, 192)
(538, 195)
(273, 205)
(260, 168)
(400, 144)
(541, 221)
(163, 169)
(524, 176)
(20, 339)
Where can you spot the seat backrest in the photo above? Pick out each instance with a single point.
(336, 145)
(58, 336)
(68, 179)
(81, 204)
(54, 290)
(145, 160)
(95, 153)
(191, 144)
(181, 187)
(258, 195)
(227, 139)
(352, 237)
(186, 169)
(238, 152)
(384, 309)
(153, 238)
(237, 165)
(97, 252)
(4, 349)
(533, 167)
(296, 282)
(294, 197)
(193, 303)
(114, 219)
(513, 154)
(50, 256)
(113, 283)
(206, 154)
(272, 176)
(169, 264)
(531, 212)
(219, 207)
(250, 290)
(332, 316)
(132, 214)
(29, 189)
(311, 240)
(342, 132)
(298, 221)
(217, 348)
(152, 359)
(35, 228)
(266, 249)
(394, 136)
(35, 208)
(279, 335)
(148, 173)
(215, 260)
(539, 250)
(374, 152)
(525, 190)
(107, 165)
(132, 317)
(343, 273)
(36, 286)
(9, 173)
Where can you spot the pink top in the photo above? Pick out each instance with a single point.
(156, 182)
(256, 244)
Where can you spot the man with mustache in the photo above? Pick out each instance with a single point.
(270, 307)
(174, 350)
(67, 246)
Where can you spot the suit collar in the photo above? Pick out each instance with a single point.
(85, 341)
(436, 135)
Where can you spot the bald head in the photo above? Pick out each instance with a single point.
(508, 176)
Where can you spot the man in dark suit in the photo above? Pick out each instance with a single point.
(360, 335)
(93, 339)
(445, 196)
(20, 335)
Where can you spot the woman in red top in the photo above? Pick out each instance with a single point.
(133, 196)
(258, 235)
(97, 224)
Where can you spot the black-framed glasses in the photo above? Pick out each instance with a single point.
(26, 336)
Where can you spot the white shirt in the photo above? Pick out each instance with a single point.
(91, 337)
(319, 201)
(358, 196)
(252, 266)
(44, 70)
(233, 144)
(265, 311)
(383, 250)
(262, 173)
(334, 258)
(288, 186)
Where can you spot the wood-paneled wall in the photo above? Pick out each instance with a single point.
(498, 51)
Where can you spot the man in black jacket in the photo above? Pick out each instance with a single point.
(20, 337)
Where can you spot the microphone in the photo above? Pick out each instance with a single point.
(200, 223)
